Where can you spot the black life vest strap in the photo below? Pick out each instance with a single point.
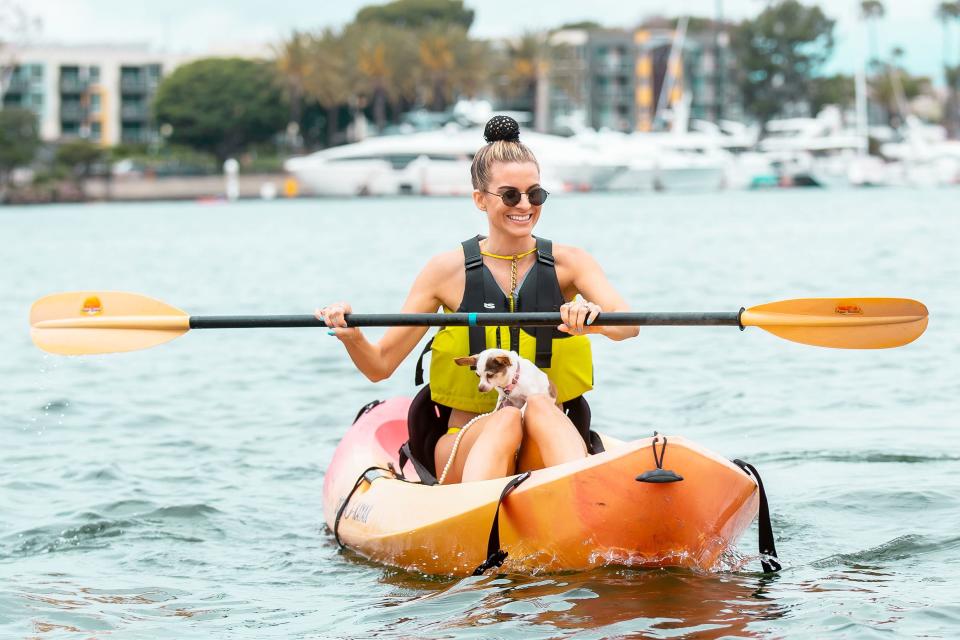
(418, 375)
(405, 455)
(496, 555)
(768, 551)
(473, 291)
(545, 294)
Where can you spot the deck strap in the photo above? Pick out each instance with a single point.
(496, 555)
(346, 501)
(768, 551)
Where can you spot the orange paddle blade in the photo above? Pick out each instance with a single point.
(88, 322)
(845, 323)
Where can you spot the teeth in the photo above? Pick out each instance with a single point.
(521, 218)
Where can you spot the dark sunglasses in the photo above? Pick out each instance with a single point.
(511, 197)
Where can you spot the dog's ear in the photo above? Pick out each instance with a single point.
(502, 362)
(468, 361)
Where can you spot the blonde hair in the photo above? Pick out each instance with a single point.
(498, 151)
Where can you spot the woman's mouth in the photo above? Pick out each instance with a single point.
(523, 218)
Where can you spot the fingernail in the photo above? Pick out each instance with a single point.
(589, 321)
(331, 332)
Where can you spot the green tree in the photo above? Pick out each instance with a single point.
(895, 88)
(80, 157)
(417, 14)
(19, 141)
(836, 89)
(586, 25)
(221, 105)
(780, 52)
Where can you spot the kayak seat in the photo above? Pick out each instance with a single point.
(427, 421)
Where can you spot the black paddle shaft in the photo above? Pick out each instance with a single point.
(533, 319)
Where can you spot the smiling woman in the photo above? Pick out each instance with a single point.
(508, 270)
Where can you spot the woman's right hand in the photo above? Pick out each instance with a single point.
(333, 316)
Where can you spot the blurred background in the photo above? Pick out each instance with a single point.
(105, 101)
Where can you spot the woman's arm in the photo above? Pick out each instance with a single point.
(588, 279)
(377, 361)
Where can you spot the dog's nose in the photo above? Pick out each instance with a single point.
(484, 387)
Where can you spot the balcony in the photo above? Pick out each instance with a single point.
(134, 112)
(71, 84)
(71, 112)
(19, 84)
(133, 84)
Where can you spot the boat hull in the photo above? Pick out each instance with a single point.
(575, 516)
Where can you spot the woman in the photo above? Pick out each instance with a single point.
(508, 270)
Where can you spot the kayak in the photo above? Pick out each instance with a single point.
(652, 502)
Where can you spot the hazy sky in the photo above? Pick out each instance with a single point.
(198, 25)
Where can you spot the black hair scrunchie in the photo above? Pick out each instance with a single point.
(501, 128)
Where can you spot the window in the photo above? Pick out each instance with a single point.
(95, 131)
(94, 103)
(94, 74)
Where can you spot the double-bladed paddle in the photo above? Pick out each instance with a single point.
(89, 322)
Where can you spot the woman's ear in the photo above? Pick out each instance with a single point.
(478, 199)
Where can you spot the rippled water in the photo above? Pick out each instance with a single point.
(175, 492)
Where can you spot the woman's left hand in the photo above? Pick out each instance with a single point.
(577, 316)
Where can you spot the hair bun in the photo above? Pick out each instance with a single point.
(501, 128)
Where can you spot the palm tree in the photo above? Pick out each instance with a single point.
(526, 67)
(384, 62)
(326, 79)
(438, 61)
(872, 11)
(293, 63)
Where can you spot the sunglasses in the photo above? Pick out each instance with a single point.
(511, 197)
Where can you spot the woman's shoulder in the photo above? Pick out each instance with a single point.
(444, 265)
(568, 255)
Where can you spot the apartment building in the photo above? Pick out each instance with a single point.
(102, 93)
(626, 80)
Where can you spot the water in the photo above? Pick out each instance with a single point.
(175, 492)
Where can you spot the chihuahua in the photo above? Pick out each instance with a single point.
(514, 378)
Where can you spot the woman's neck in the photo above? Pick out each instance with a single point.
(508, 246)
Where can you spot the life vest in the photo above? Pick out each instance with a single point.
(565, 359)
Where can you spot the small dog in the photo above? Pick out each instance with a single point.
(514, 378)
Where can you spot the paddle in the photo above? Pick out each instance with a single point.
(88, 322)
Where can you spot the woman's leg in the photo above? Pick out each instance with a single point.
(487, 449)
(549, 437)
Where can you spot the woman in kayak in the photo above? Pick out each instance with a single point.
(508, 270)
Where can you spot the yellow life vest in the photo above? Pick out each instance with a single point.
(566, 359)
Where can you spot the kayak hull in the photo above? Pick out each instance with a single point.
(575, 516)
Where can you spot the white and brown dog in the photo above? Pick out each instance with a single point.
(514, 378)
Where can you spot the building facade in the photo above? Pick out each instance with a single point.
(632, 80)
(100, 93)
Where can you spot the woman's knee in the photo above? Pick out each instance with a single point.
(505, 425)
(541, 403)
(540, 410)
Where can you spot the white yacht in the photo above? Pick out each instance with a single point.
(821, 151)
(438, 163)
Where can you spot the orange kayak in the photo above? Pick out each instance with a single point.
(575, 516)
